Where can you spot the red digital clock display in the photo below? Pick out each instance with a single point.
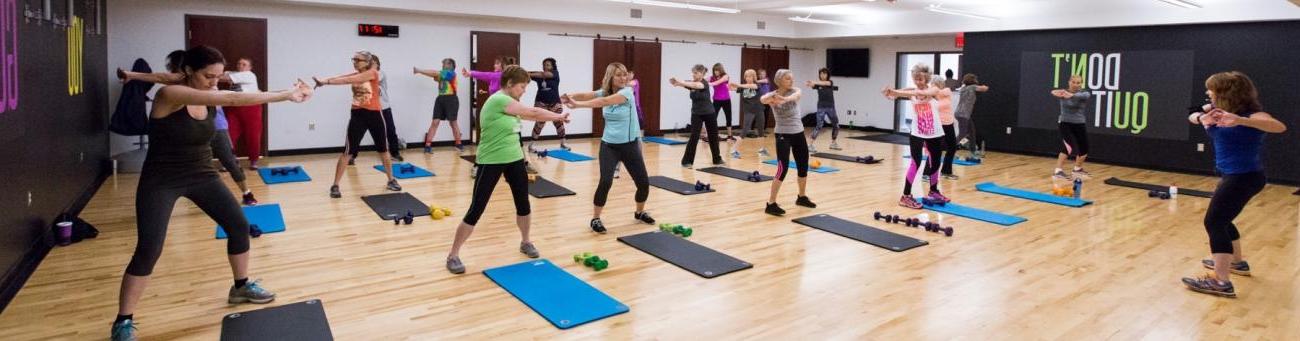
(373, 30)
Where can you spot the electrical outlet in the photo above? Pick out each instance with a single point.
(311, 126)
(1008, 130)
(1200, 147)
(82, 157)
(29, 198)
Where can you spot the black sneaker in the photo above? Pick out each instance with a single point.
(249, 200)
(334, 192)
(1238, 268)
(352, 161)
(803, 201)
(644, 217)
(398, 157)
(597, 226)
(774, 209)
(393, 186)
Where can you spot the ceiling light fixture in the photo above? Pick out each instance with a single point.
(671, 4)
(939, 9)
(809, 19)
(1182, 3)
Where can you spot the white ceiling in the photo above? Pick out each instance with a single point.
(864, 18)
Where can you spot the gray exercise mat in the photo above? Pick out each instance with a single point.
(472, 158)
(393, 205)
(298, 321)
(863, 233)
(844, 158)
(676, 186)
(735, 174)
(543, 188)
(685, 254)
(1150, 187)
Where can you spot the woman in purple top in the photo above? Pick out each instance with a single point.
(493, 78)
(721, 95)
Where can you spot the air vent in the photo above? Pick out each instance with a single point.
(636, 13)
(762, 25)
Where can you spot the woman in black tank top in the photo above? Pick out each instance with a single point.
(179, 164)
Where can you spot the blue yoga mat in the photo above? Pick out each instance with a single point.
(397, 167)
(661, 140)
(1035, 196)
(957, 161)
(266, 216)
(269, 179)
(567, 155)
(977, 214)
(823, 169)
(560, 298)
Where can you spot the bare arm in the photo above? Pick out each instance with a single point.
(156, 77)
(1062, 94)
(1260, 120)
(931, 91)
(819, 83)
(721, 80)
(581, 96)
(981, 88)
(601, 102)
(534, 113)
(686, 84)
(742, 86)
(436, 74)
(172, 97)
(352, 78)
(541, 74)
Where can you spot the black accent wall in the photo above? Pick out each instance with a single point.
(1269, 52)
(53, 136)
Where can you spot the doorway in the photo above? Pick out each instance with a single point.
(484, 49)
(236, 38)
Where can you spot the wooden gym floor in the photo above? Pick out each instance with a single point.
(1106, 271)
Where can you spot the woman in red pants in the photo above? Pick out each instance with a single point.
(245, 121)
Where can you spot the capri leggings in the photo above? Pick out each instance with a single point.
(725, 107)
(930, 147)
(153, 210)
(1230, 197)
(787, 144)
(629, 154)
(486, 180)
(1074, 139)
(827, 116)
(559, 125)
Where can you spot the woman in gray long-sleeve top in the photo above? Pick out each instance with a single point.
(1073, 125)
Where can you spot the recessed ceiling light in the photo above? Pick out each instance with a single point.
(939, 9)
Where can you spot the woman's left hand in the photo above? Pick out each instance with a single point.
(1224, 118)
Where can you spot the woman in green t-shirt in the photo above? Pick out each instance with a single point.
(499, 154)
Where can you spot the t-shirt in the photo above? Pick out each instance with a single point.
(621, 124)
(548, 89)
(788, 118)
(1237, 149)
(700, 104)
(446, 82)
(764, 87)
(826, 95)
(383, 90)
(493, 78)
(1073, 109)
(720, 92)
(749, 100)
(500, 132)
(365, 94)
(245, 81)
(926, 123)
(966, 101)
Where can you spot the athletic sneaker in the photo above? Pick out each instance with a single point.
(616, 171)
(936, 196)
(925, 178)
(252, 165)
(1060, 175)
(909, 202)
(460, 148)
(473, 172)
(597, 226)
(803, 201)
(393, 186)
(565, 147)
(251, 292)
(124, 331)
(735, 154)
(528, 167)
(812, 149)
(774, 209)
(1207, 284)
(334, 192)
(644, 217)
(529, 250)
(249, 200)
(719, 163)
(352, 160)
(455, 266)
(398, 157)
(951, 176)
(1238, 268)
(835, 146)
(763, 152)
(531, 148)
(428, 149)
(1081, 174)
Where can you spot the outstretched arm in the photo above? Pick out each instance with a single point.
(436, 74)
(981, 88)
(601, 102)
(534, 113)
(1260, 120)
(541, 74)
(909, 93)
(721, 80)
(156, 77)
(173, 97)
(686, 84)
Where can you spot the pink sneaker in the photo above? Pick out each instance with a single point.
(935, 196)
(909, 202)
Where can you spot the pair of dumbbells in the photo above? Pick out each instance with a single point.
(754, 177)
(865, 159)
(437, 213)
(973, 159)
(1159, 194)
(700, 186)
(591, 260)
(677, 229)
(406, 169)
(406, 219)
(542, 153)
(284, 170)
(913, 222)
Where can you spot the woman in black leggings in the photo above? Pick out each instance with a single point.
(1235, 121)
(702, 114)
(789, 140)
(500, 154)
(179, 164)
(619, 142)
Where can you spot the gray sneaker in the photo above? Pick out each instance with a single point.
(393, 186)
(835, 146)
(252, 292)
(455, 266)
(529, 249)
(812, 149)
(124, 331)
(1060, 175)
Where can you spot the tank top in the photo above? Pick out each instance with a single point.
(700, 104)
(366, 95)
(1237, 149)
(179, 153)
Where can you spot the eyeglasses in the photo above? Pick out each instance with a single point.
(354, 60)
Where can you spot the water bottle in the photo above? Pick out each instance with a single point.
(1078, 188)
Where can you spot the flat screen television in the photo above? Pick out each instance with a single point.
(849, 62)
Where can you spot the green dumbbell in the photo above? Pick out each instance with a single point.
(590, 260)
(676, 229)
(579, 257)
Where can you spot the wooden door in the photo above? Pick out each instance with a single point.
(485, 47)
(604, 52)
(236, 38)
(642, 57)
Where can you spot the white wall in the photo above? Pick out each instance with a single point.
(863, 94)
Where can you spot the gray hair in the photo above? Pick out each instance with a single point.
(921, 69)
(780, 74)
